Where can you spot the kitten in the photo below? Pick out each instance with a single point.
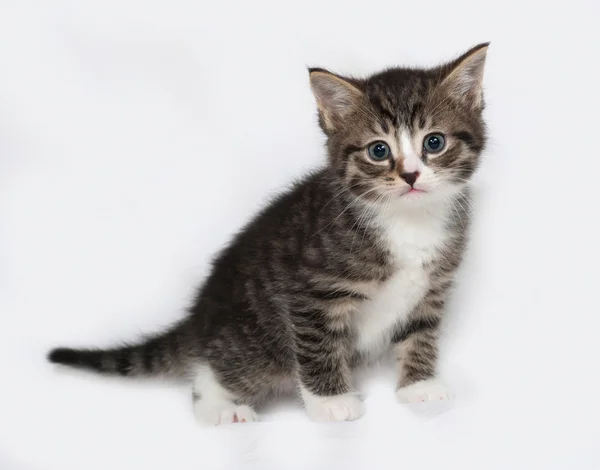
(358, 258)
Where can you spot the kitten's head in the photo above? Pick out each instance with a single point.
(411, 135)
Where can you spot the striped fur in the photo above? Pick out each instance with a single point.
(345, 265)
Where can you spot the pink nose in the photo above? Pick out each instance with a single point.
(410, 178)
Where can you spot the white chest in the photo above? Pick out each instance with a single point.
(413, 241)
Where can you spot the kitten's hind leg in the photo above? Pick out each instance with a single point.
(214, 404)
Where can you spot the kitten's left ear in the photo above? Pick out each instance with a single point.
(336, 97)
(464, 81)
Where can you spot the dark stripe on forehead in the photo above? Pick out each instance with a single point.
(384, 126)
(416, 111)
(382, 110)
(377, 125)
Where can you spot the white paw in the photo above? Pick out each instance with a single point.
(424, 391)
(213, 414)
(346, 407)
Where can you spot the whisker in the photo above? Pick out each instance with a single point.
(363, 218)
(353, 201)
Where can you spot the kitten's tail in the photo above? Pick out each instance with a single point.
(166, 354)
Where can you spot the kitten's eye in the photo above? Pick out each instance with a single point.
(379, 151)
(434, 143)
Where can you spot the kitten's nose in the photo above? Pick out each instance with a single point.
(410, 178)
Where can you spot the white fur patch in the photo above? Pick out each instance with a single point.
(207, 386)
(390, 305)
(414, 236)
(412, 161)
(424, 391)
(215, 405)
(346, 407)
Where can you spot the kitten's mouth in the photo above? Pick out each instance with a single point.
(412, 191)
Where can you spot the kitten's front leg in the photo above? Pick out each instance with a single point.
(416, 348)
(322, 352)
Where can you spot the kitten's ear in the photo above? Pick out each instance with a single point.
(336, 97)
(464, 81)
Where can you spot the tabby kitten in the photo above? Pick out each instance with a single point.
(356, 259)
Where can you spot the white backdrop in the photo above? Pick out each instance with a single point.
(136, 137)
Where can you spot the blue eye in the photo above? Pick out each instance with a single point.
(379, 151)
(434, 143)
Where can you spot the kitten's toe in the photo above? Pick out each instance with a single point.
(245, 414)
(213, 414)
(346, 407)
(424, 391)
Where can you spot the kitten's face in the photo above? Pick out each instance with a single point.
(407, 136)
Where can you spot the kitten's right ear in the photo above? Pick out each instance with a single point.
(465, 79)
(336, 97)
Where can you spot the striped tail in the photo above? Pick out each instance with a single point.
(159, 355)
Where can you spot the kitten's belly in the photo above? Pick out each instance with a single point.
(388, 306)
